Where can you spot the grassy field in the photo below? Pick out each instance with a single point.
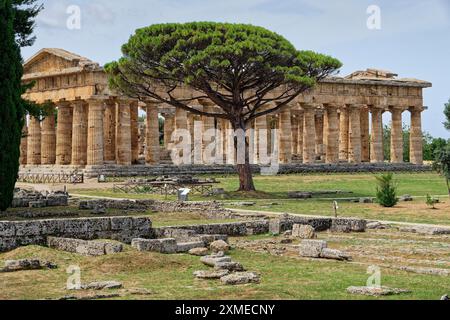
(170, 277)
(274, 189)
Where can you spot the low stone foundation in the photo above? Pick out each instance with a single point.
(21, 233)
(211, 209)
(236, 229)
(159, 170)
(287, 222)
(84, 247)
(33, 199)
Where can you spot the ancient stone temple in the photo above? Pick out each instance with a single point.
(340, 121)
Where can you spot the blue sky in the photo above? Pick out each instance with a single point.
(413, 40)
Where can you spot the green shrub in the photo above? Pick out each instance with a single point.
(387, 190)
(431, 201)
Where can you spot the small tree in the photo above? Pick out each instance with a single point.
(431, 201)
(247, 71)
(387, 190)
(442, 165)
(447, 115)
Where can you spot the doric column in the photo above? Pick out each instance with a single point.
(309, 133)
(416, 136)
(208, 123)
(294, 137)
(260, 124)
(343, 133)
(95, 152)
(64, 134)
(123, 133)
(48, 140)
(24, 145)
(365, 136)
(169, 124)
(152, 156)
(318, 121)
(285, 136)
(397, 136)
(332, 138)
(354, 134)
(80, 133)
(34, 142)
(134, 116)
(301, 122)
(181, 119)
(376, 146)
(109, 131)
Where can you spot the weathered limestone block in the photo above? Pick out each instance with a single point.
(334, 255)
(27, 264)
(303, 232)
(83, 247)
(312, 248)
(230, 266)
(155, 245)
(219, 246)
(376, 291)
(211, 275)
(102, 285)
(299, 195)
(240, 278)
(187, 246)
(212, 260)
(348, 225)
(199, 252)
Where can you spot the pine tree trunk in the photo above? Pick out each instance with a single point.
(246, 183)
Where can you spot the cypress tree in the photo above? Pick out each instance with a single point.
(11, 104)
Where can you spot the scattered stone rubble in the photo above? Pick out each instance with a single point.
(27, 264)
(83, 247)
(426, 230)
(241, 278)
(102, 285)
(376, 291)
(219, 246)
(318, 249)
(34, 199)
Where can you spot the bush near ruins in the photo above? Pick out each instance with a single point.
(246, 71)
(387, 190)
(442, 165)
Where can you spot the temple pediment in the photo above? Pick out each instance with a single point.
(53, 60)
